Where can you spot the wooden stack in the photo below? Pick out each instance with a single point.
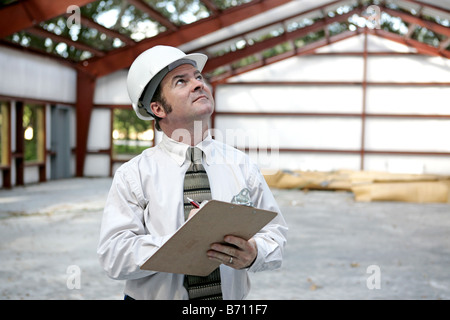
(368, 185)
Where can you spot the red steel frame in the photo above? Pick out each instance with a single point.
(363, 115)
(27, 14)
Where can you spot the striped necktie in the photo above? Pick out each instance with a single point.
(196, 186)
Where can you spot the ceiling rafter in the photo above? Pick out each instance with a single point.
(429, 5)
(57, 38)
(211, 7)
(421, 47)
(28, 13)
(155, 15)
(110, 33)
(228, 58)
(279, 21)
(412, 27)
(305, 50)
(406, 17)
(123, 57)
(444, 44)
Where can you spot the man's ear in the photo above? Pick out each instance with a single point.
(158, 109)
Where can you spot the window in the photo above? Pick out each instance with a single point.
(33, 125)
(4, 134)
(130, 134)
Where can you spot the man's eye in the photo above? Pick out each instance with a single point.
(200, 77)
(180, 81)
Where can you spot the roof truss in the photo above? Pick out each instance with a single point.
(122, 58)
(225, 62)
(265, 44)
(27, 14)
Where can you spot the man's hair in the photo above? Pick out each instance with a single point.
(158, 97)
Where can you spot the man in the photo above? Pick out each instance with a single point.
(146, 202)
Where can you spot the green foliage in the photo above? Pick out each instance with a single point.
(126, 121)
(180, 12)
(30, 120)
(128, 125)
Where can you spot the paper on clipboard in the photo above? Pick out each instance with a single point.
(185, 251)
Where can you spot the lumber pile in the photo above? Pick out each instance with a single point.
(368, 185)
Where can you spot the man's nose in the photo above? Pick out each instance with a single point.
(198, 85)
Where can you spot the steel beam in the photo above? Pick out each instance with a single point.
(27, 13)
(435, 27)
(77, 44)
(155, 15)
(419, 46)
(123, 57)
(83, 109)
(228, 58)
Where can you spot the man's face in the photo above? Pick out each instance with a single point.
(189, 97)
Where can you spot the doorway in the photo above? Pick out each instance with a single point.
(60, 142)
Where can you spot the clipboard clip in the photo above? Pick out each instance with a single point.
(243, 198)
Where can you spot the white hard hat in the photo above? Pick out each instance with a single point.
(148, 70)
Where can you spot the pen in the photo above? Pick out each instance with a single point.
(193, 202)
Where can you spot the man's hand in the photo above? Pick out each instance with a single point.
(236, 252)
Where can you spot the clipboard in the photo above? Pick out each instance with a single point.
(185, 251)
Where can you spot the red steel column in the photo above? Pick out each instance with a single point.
(84, 105)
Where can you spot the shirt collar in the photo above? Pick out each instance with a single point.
(178, 150)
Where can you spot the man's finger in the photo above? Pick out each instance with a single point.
(225, 249)
(238, 242)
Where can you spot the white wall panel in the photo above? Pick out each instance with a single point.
(291, 132)
(99, 130)
(112, 89)
(408, 135)
(96, 165)
(377, 44)
(344, 133)
(353, 44)
(308, 68)
(374, 44)
(408, 69)
(31, 76)
(408, 100)
(408, 164)
(289, 98)
(317, 161)
(30, 174)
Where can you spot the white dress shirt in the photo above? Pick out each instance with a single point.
(144, 208)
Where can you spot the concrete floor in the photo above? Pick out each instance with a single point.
(337, 248)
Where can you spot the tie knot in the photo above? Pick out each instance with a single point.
(196, 155)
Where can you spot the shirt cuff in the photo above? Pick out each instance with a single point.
(259, 260)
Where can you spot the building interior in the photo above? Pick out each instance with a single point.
(344, 98)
